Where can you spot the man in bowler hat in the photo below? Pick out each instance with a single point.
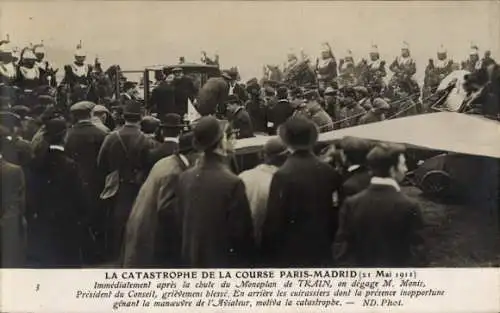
(170, 130)
(300, 222)
(213, 208)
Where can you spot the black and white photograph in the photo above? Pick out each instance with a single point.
(208, 135)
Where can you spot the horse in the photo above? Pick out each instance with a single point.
(301, 75)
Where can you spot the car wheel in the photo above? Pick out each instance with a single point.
(435, 183)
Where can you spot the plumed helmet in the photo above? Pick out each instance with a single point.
(474, 50)
(40, 49)
(374, 49)
(29, 55)
(442, 49)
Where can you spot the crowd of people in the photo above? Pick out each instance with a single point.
(105, 179)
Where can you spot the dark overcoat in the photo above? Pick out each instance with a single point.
(215, 216)
(184, 89)
(162, 99)
(12, 216)
(213, 93)
(356, 181)
(131, 162)
(301, 220)
(163, 150)
(280, 112)
(57, 206)
(83, 142)
(379, 227)
(258, 111)
(152, 236)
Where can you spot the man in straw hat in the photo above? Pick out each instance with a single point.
(214, 211)
(153, 236)
(300, 222)
(124, 159)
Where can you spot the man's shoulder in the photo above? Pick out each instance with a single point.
(166, 166)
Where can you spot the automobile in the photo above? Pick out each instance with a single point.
(199, 73)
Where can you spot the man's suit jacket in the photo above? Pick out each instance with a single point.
(83, 143)
(380, 226)
(215, 216)
(301, 221)
(152, 236)
(163, 150)
(163, 99)
(355, 181)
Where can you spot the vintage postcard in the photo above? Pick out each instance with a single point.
(250, 155)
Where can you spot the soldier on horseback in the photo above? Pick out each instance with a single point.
(347, 70)
(473, 62)
(436, 70)
(7, 66)
(28, 78)
(326, 67)
(374, 69)
(77, 76)
(404, 68)
(47, 72)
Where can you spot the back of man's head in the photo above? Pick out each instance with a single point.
(383, 157)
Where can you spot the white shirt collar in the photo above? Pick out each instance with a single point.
(56, 147)
(171, 139)
(352, 168)
(387, 181)
(184, 159)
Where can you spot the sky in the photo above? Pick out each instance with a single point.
(249, 34)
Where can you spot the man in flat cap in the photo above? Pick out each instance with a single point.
(380, 226)
(83, 143)
(153, 234)
(149, 126)
(124, 159)
(216, 224)
(301, 221)
(100, 117)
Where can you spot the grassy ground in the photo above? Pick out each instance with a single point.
(459, 235)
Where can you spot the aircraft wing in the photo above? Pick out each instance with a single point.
(447, 131)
